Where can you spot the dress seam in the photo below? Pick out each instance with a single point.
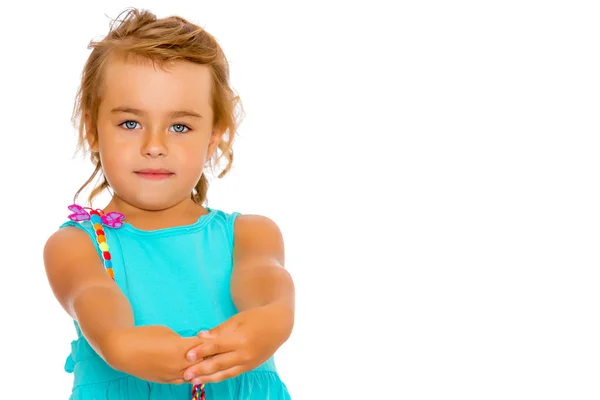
(275, 374)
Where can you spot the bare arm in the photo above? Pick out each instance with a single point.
(84, 289)
(259, 278)
(263, 292)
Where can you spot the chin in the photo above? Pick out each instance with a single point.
(156, 201)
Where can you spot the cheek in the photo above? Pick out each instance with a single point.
(112, 153)
(115, 159)
(192, 161)
(192, 150)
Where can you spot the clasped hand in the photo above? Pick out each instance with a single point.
(240, 344)
(159, 354)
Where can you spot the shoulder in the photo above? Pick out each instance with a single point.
(246, 226)
(257, 234)
(65, 240)
(245, 223)
(65, 245)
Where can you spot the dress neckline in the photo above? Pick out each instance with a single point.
(196, 226)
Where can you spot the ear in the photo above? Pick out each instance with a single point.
(215, 139)
(91, 135)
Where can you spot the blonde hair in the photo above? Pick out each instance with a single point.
(140, 33)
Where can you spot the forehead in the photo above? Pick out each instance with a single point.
(140, 83)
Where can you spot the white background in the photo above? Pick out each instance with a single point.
(432, 165)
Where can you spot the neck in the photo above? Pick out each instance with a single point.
(182, 213)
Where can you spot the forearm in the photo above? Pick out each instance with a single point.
(270, 287)
(263, 285)
(100, 312)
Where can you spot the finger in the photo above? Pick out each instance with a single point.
(231, 325)
(211, 334)
(176, 382)
(212, 365)
(206, 349)
(212, 347)
(190, 344)
(220, 375)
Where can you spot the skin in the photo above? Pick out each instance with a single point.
(129, 141)
(132, 141)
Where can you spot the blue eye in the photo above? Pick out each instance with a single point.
(180, 128)
(177, 128)
(130, 125)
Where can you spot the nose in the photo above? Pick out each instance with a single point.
(154, 145)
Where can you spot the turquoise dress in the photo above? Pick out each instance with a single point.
(178, 277)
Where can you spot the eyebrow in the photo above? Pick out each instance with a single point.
(174, 114)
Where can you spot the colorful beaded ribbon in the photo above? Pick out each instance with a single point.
(198, 392)
(112, 220)
(99, 219)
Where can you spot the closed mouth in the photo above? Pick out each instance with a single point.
(154, 173)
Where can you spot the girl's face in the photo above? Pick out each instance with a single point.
(155, 130)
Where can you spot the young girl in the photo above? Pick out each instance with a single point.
(171, 300)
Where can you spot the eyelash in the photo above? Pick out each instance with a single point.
(123, 123)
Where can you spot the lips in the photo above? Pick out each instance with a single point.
(153, 171)
(154, 174)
